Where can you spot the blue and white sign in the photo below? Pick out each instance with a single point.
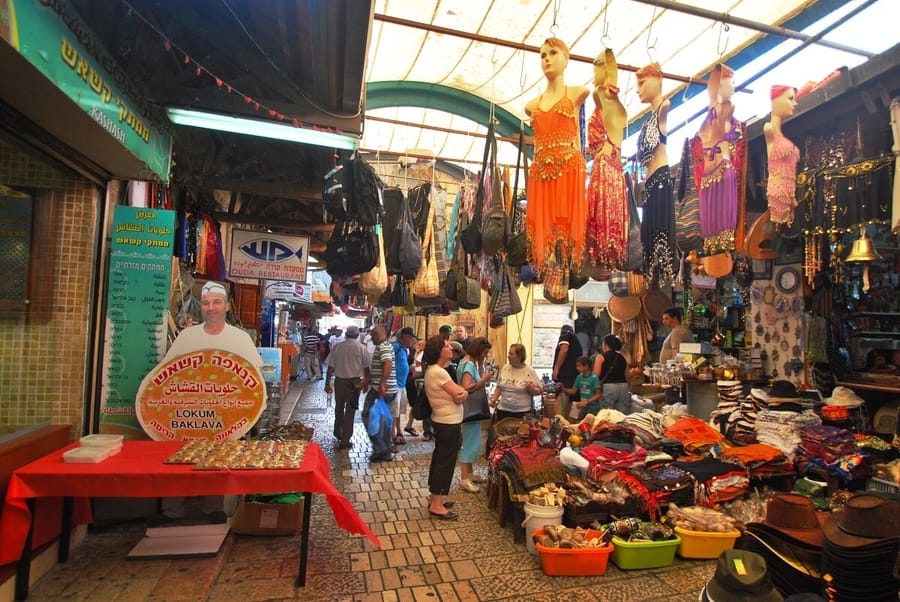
(268, 256)
(286, 290)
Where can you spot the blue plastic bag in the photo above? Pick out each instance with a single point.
(379, 414)
(379, 428)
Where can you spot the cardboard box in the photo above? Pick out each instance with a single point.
(256, 518)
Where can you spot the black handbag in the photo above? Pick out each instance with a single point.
(470, 236)
(476, 407)
(351, 251)
(517, 252)
(421, 406)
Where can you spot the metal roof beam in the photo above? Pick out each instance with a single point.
(755, 25)
(430, 27)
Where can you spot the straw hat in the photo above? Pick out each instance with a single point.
(844, 396)
(623, 309)
(655, 303)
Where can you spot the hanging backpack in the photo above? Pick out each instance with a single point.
(495, 228)
(352, 191)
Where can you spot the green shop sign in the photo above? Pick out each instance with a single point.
(44, 32)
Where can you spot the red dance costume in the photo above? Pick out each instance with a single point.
(607, 209)
(557, 205)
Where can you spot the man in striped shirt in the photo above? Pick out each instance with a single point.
(311, 355)
(382, 383)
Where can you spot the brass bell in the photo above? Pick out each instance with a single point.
(862, 251)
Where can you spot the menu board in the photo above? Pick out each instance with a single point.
(137, 306)
(206, 394)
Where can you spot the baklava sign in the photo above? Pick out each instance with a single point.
(207, 394)
(268, 256)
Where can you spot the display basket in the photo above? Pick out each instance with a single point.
(563, 562)
(882, 486)
(704, 544)
(644, 554)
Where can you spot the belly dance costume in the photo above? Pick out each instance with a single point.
(607, 211)
(718, 191)
(782, 184)
(557, 204)
(658, 220)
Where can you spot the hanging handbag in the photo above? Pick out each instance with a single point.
(468, 290)
(634, 252)
(688, 234)
(476, 406)
(556, 280)
(427, 282)
(517, 251)
(375, 281)
(470, 234)
(504, 299)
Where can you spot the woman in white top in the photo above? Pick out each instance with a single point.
(517, 385)
(446, 399)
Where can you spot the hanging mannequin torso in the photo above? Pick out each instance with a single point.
(783, 156)
(557, 207)
(607, 202)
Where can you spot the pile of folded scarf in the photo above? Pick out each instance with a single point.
(716, 481)
(532, 466)
(760, 460)
(835, 450)
(657, 486)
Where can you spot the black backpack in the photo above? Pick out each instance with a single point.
(351, 250)
(352, 191)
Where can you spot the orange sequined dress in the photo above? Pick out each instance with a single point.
(557, 204)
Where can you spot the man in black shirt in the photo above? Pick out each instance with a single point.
(568, 349)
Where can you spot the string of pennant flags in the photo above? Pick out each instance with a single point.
(200, 70)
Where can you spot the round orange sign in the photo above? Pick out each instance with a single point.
(207, 394)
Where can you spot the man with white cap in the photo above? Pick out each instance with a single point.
(214, 332)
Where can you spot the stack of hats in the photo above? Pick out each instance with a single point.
(740, 576)
(727, 412)
(862, 543)
(790, 539)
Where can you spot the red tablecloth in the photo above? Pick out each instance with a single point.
(138, 471)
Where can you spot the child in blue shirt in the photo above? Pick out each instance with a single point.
(587, 385)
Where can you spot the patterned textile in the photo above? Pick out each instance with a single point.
(533, 467)
(607, 208)
(694, 434)
(657, 486)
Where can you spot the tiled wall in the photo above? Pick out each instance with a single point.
(43, 361)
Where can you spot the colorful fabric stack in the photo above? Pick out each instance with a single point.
(782, 429)
(760, 460)
(657, 486)
(696, 435)
(835, 450)
(716, 481)
(604, 459)
(533, 467)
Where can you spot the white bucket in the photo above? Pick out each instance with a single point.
(538, 516)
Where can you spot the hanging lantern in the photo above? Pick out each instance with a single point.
(863, 251)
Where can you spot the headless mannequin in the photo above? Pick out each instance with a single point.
(607, 209)
(783, 156)
(557, 205)
(606, 97)
(895, 128)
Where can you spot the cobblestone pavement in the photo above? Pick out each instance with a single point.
(472, 559)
